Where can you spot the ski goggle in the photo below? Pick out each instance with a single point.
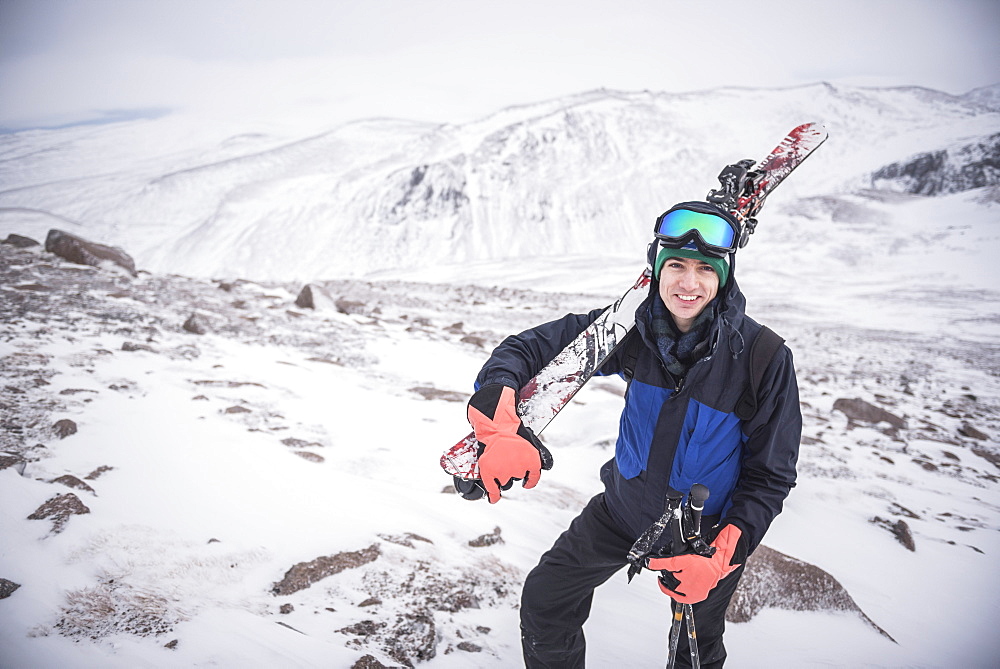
(713, 233)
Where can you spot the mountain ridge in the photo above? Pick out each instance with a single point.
(571, 175)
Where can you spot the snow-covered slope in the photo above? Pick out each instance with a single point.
(572, 176)
(267, 493)
(214, 463)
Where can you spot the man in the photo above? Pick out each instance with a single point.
(678, 427)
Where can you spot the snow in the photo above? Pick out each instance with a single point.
(892, 300)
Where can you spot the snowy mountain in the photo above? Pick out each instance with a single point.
(559, 178)
(198, 467)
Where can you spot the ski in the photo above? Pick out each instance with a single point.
(743, 190)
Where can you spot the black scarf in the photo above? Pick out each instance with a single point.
(680, 350)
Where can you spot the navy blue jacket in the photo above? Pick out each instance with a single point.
(677, 433)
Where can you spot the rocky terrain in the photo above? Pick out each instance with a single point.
(899, 445)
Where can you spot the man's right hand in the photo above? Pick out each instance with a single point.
(508, 450)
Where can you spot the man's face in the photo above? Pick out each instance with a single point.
(686, 287)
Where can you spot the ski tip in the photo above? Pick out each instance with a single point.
(815, 129)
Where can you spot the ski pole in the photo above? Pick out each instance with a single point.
(696, 504)
(692, 637)
(675, 632)
(687, 540)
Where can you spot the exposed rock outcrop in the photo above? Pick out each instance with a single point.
(304, 574)
(305, 299)
(859, 411)
(20, 241)
(7, 588)
(952, 170)
(59, 509)
(82, 252)
(775, 580)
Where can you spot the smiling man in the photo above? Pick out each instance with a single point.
(687, 363)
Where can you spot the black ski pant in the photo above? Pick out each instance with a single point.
(558, 593)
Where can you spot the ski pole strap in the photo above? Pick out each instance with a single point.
(762, 351)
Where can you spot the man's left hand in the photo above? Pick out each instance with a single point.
(694, 575)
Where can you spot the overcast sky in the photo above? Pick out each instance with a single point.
(67, 61)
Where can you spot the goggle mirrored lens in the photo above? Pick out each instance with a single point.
(714, 230)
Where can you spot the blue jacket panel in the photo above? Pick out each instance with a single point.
(676, 433)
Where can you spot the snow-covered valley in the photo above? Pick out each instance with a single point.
(258, 485)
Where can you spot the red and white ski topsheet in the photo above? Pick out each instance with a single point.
(554, 386)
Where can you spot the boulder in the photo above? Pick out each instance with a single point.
(71, 481)
(775, 580)
(59, 509)
(7, 588)
(487, 539)
(195, 324)
(304, 574)
(82, 252)
(64, 428)
(971, 432)
(859, 411)
(19, 241)
(899, 529)
(305, 300)
(12, 460)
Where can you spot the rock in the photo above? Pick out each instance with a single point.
(414, 639)
(311, 457)
(474, 340)
(286, 609)
(132, 347)
(406, 539)
(469, 647)
(487, 539)
(972, 433)
(195, 324)
(59, 509)
(859, 411)
(12, 460)
(989, 455)
(71, 481)
(171, 644)
(294, 442)
(346, 306)
(899, 529)
(97, 473)
(363, 628)
(64, 428)
(305, 300)
(7, 588)
(775, 580)
(82, 252)
(19, 241)
(304, 574)
(429, 393)
(236, 409)
(958, 168)
(369, 662)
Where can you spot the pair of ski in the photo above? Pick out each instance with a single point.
(742, 193)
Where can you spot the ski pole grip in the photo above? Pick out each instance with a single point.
(697, 496)
(674, 499)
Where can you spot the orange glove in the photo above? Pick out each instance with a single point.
(696, 575)
(508, 450)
